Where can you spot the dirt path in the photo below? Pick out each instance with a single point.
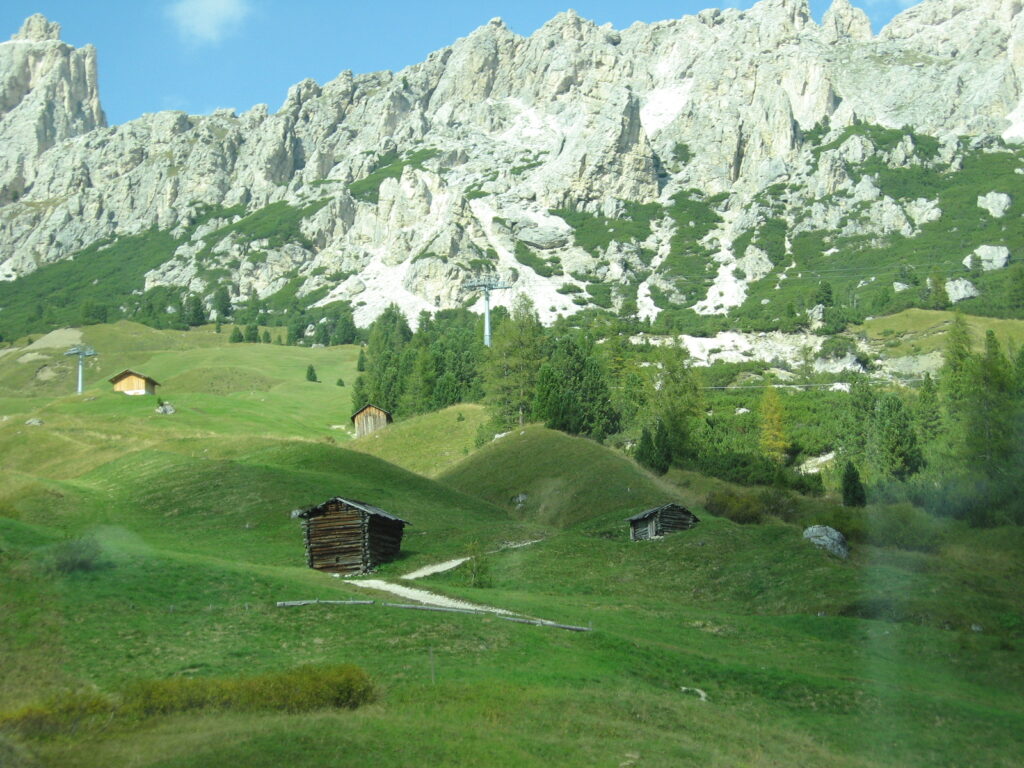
(425, 597)
(430, 570)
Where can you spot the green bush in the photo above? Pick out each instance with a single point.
(302, 689)
(76, 555)
(903, 526)
(63, 713)
(739, 507)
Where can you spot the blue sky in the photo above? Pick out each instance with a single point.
(198, 55)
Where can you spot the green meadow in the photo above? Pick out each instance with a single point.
(892, 657)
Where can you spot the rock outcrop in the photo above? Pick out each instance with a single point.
(409, 182)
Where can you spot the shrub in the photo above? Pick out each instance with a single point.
(66, 712)
(738, 507)
(76, 555)
(903, 526)
(302, 689)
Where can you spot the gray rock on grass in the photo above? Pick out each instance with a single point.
(829, 539)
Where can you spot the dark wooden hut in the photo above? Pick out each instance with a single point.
(369, 419)
(346, 536)
(659, 521)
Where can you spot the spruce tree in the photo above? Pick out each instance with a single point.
(236, 335)
(252, 334)
(311, 373)
(662, 449)
(266, 337)
(645, 449)
(512, 365)
(926, 412)
(892, 446)
(853, 490)
(222, 302)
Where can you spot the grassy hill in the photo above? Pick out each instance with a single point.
(551, 478)
(890, 658)
(428, 444)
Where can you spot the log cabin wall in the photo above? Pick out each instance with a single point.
(341, 538)
(674, 518)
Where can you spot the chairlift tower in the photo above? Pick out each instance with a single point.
(486, 283)
(82, 352)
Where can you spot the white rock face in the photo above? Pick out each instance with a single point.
(960, 289)
(995, 203)
(487, 136)
(989, 257)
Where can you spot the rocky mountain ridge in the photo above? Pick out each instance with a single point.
(691, 163)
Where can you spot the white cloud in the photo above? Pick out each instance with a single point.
(207, 21)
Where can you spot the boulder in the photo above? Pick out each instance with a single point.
(960, 289)
(165, 409)
(34, 423)
(829, 539)
(995, 203)
(989, 257)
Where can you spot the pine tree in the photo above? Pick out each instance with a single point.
(892, 445)
(853, 490)
(266, 337)
(236, 335)
(773, 438)
(311, 373)
(927, 413)
(512, 365)
(990, 413)
(662, 449)
(955, 376)
(222, 302)
(252, 334)
(386, 365)
(645, 449)
(194, 312)
(361, 361)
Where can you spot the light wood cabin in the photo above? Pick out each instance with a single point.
(659, 521)
(369, 419)
(347, 536)
(134, 383)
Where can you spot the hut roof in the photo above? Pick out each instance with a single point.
(369, 509)
(371, 405)
(642, 515)
(129, 372)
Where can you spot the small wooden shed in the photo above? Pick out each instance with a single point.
(348, 536)
(369, 419)
(659, 521)
(134, 383)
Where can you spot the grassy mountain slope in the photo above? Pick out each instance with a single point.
(805, 659)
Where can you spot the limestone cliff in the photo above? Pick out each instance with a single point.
(409, 182)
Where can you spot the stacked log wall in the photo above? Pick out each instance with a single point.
(674, 519)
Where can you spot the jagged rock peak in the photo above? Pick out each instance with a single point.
(38, 28)
(795, 13)
(844, 22)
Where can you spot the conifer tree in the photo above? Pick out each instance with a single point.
(926, 412)
(955, 374)
(645, 449)
(266, 337)
(222, 302)
(662, 449)
(892, 445)
(252, 334)
(989, 413)
(194, 311)
(853, 490)
(311, 373)
(511, 369)
(236, 335)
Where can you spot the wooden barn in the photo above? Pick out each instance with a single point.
(659, 521)
(134, 383)
(346, 536)
(369, 419)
